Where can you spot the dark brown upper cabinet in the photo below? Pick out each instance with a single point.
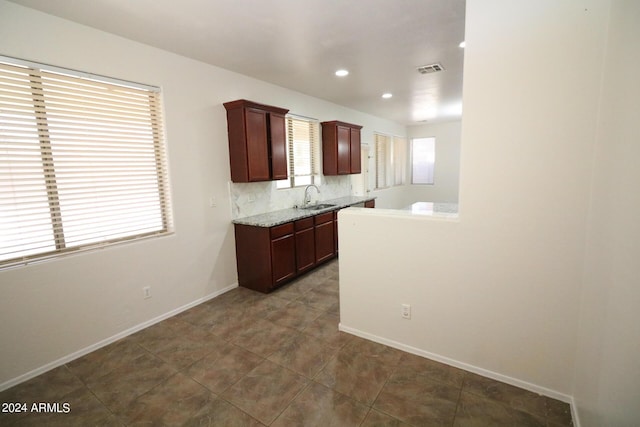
(257, 141)
(340, 148)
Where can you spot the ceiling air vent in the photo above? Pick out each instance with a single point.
(432, 68)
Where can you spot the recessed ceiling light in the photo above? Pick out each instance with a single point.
(462, 44)
(387, 95)
(342, 73)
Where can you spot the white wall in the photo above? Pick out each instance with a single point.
(607, 383)
(498, 289)
(394, 197)
(53, 309)
(447, 166)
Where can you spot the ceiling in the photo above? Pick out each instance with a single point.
(299, 44)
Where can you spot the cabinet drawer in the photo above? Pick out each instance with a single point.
(322, 218)
(281, 230)
(304, 223)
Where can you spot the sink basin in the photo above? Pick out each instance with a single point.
(318, 206)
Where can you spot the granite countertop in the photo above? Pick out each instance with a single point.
(282, 216)
(433, 209)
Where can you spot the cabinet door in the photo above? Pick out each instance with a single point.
(278, 145)
(257, 148)
(355, 151)
(325, 243)
(283, 258)
(329, 149)
(253, 257)
(344, 149)
(305, 249)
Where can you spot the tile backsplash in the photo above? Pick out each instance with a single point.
(259, 197)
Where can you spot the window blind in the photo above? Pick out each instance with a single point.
(303, 147)
(383, 159)
(391, 160)
(400, 160)
(82, 162)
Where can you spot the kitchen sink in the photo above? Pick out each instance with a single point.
(318, 206)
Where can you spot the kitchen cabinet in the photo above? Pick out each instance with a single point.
(325, 236)
(305, 244)
(265, 256)
(268, 257)
(257, 141)
(340, 148)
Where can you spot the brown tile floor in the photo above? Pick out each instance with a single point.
(247, 359)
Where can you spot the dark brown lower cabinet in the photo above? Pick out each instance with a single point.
(265, 256)
(268, 257)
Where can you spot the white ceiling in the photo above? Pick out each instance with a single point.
(299, 44)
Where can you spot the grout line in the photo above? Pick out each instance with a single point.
(365, 417)
(455, 414)
(91, 392)
(292, 400)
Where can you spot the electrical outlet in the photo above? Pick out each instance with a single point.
(213, 202)
(147, 292)
(406, 311)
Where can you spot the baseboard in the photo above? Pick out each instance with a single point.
(93, 347)
(574, 413)
(476, 370)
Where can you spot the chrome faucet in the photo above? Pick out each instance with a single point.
(307, 196)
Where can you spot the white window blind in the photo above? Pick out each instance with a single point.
(399, 160)
(391, 154)
(423, 157)
(302, 155)
(82, 162)
(383, 159)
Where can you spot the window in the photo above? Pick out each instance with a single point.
(399, 160)
(390, 160)
(383, 159)
(302, 152)
(82, 162)
(423, 156)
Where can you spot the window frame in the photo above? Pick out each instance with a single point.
(431, 169)
(85, 137)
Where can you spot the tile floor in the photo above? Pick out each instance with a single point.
(248, 359)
